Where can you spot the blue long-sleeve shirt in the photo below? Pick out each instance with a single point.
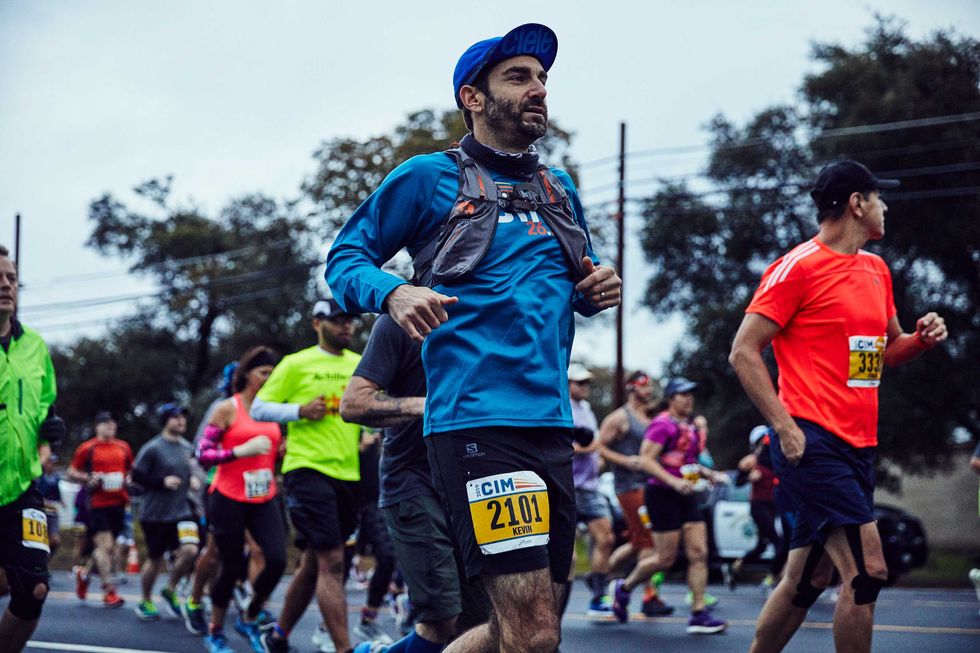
(502, 357)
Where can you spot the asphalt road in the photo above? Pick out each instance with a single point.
(910, 620)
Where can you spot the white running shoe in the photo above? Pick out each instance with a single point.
(322, 640)
(372, 631)
(975, 579)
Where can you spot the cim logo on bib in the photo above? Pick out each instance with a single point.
(503, 484)
(497, 486)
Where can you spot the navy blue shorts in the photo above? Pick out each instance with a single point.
(832, 486)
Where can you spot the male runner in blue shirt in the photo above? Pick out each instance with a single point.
(496, 337)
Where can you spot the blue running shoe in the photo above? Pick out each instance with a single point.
(217, 643)
(264, 619)
(600, 609)
(250, 630)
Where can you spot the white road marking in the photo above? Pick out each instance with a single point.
(85, 648)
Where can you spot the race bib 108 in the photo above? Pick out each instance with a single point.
(35, 529)
(865, 361)
(509, 511)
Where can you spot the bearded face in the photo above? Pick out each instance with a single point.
(525, 118)
(337, 333)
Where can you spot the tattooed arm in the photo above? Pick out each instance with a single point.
(364, 402)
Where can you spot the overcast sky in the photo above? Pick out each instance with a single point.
(233, 97)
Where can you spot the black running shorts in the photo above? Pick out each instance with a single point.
(323, 510)
(509, 496)
(23, 533)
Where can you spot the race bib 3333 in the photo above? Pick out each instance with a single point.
(865, 361)
(509, 511)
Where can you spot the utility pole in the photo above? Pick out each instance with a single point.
(17, 254)
(618, 390)
(17, 243)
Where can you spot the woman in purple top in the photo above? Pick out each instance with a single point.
(669, 454)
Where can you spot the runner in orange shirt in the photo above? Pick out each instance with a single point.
(102, 464)
(828, 310)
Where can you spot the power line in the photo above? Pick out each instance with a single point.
(925, 194)
(949, 168)
(892, 196)
(206, 285)
(230, 254)
(901, 124)
(912, 149)
(910, 172)
(827, 133)
(228, 301)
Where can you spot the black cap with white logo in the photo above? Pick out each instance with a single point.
(838, 181)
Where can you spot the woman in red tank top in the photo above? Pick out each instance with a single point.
(241, 497)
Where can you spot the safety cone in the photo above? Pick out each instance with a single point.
(133, 559)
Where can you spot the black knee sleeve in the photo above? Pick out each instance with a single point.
(23, 584)
(866, 587)
(806, 593)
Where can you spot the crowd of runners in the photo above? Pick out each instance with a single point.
(489, 456)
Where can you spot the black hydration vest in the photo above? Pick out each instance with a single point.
(465, 236)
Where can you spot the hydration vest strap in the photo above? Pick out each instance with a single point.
(472, 182)
(553, 189)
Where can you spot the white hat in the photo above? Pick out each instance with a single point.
(757, 434)
(329, 309)
(578, 372)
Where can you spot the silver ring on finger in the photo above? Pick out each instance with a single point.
(602, 296)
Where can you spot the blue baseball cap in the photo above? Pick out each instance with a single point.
(171, 409)
(531, 39)
(679, 385)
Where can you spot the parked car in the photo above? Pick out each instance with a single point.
(903, 540)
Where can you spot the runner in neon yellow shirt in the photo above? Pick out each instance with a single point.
(327, 445)
(321, 469)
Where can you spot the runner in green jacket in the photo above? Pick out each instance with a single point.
(27, 393)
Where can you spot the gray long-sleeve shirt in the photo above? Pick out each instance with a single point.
(156, 460)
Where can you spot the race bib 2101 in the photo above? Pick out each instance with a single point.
(509, 511)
